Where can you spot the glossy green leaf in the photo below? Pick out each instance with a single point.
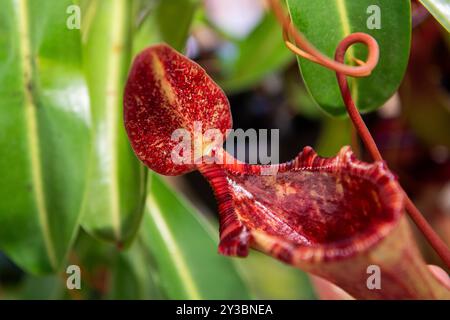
(440, 9)
(164, 21)
(326, 22)
(261, 53)
(116, 182)
(185, 249)
(44, 136)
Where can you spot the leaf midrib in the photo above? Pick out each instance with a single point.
(32, 129)
(113, 85)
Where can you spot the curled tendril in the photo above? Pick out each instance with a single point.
(438, 245)
(305, 49)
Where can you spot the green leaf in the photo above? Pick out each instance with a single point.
(299, 97)
(426, 109)
(326, 22)
(440, 9)
(164, 21)
(116, 183)
(109, 273)
(50, 287)
(133, 275)
(182, 244)
(44, 116)
(271, 279)
(335, 134)
(261, 53)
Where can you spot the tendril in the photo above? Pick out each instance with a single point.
(438, 245)
(303, 48)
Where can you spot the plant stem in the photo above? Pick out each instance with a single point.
(355, 142)
(439, 246)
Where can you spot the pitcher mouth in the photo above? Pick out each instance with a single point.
(312, 209)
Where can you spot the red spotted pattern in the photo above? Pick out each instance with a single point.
(167, 91)
(322, 208)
